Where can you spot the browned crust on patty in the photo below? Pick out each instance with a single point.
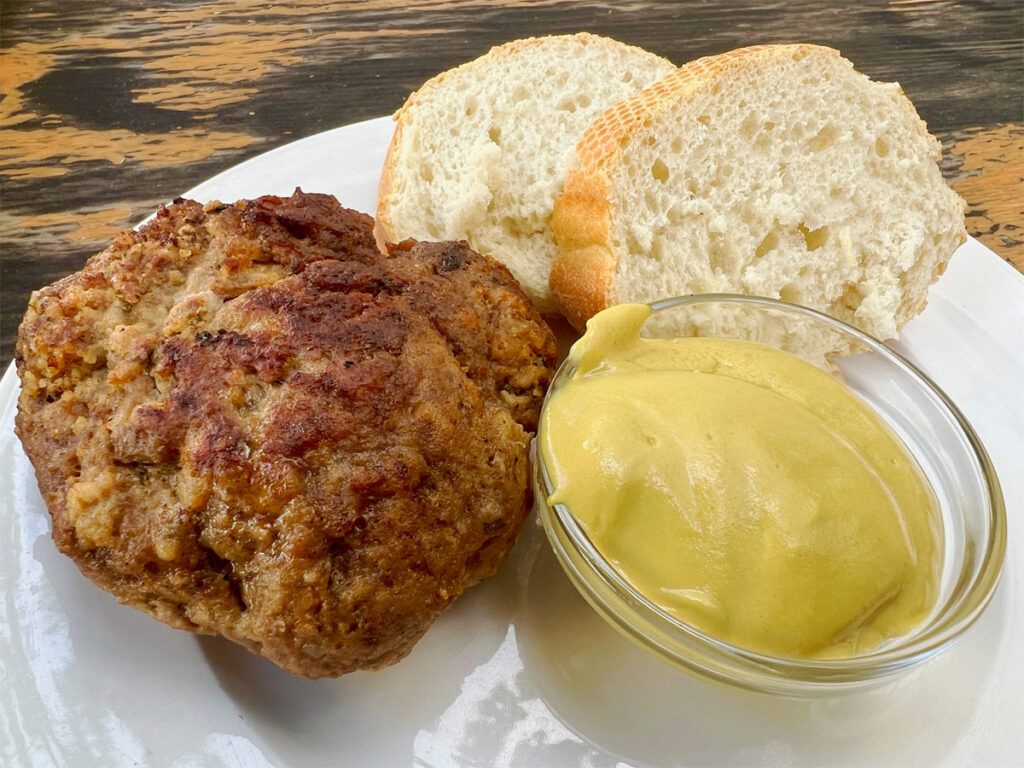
(246, 420)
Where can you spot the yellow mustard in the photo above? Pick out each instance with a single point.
(742, 490)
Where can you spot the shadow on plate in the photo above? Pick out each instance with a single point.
(261, 688)
(640, 709)
(371, 718)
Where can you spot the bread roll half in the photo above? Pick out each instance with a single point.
(776, 171)
(480, 152)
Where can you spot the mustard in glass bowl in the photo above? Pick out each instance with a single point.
(765, 496)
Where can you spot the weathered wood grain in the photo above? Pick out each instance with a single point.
(990, 178)
(112, 107)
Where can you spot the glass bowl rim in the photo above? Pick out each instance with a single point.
(939, 632)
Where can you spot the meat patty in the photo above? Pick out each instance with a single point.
(248, 421)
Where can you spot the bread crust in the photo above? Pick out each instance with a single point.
(383, 229)
(583, 275)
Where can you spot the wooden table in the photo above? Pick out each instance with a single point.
(111, 108)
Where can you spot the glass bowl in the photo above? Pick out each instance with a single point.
(933, 429)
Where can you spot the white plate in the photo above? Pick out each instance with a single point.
(520, 671)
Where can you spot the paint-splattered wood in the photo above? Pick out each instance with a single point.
(110, 108)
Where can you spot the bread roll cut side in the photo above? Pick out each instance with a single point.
(480, 152)
(774, 170)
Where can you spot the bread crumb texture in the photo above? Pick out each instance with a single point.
(775, 171)
(481, 151)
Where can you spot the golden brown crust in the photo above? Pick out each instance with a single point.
(383, 228)
(583, 274)
(246, 420)
(581, 277)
